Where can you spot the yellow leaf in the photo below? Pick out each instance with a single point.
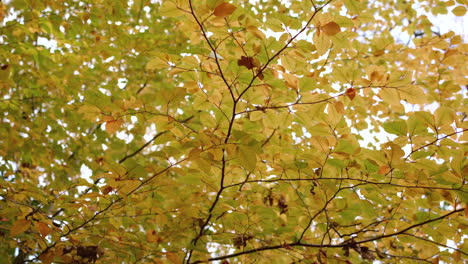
(322, 43)
(114, 125)
(175, 71)
(444, 116)
(256, 32)
(393, 152)
(194, 153)
(43, 228)
(126, 186)
(90, 112)
(224, 9)
(331, 29)
(459, 11)
(156, 64)
(19, 226)
(247, 158)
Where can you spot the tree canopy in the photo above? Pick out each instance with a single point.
(268, 131)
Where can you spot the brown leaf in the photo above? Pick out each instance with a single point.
(19, 227)
(107, 189)
(331, 29)
(247, 62)
(152, 236)
(224, 9)
(43, 228)
(260, 75)
(351, 93)
(287, 246)
(47, 257)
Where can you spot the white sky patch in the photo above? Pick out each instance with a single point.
(122, 83)
(85, 173)
(50, 44)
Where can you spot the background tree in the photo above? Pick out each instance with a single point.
(232, 131)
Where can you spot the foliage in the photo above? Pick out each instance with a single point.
(233, 131)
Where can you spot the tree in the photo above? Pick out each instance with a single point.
(238, 132)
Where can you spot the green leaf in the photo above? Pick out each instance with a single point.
(396, 127)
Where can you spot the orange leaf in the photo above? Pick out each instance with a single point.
(19, 227)
(383, 170)
(43, 228)
(351, 93)
(224, 9)
(113, 125)
(331, 29)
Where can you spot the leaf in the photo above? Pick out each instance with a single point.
(127, 186)
(396, 127)
(224, 9)
(345, 146)
(114, 125)
(331, 29)
(2, 12)
(156, 64)
(173, 258)
(152, 236)
(44, 229)
(256, 32)
(459, 10)
(5, 69)
(90, 112)
(351, 93)
(247, 62)
(383, 170)
(19, 227)
(444, 116)
(247, 158)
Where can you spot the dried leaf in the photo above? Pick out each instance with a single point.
(152, 236)
(224, 9)
(331, 29)
(247, 62)
(351, 93)
(114, 125)
(43, 228)
(19, 227)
